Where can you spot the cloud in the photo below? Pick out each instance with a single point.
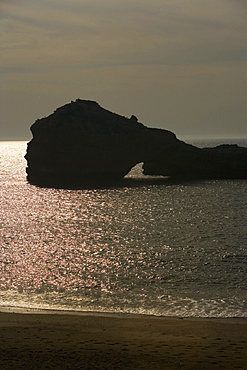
(161, 52)
(129, 33)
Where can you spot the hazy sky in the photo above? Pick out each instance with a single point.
(175, 64)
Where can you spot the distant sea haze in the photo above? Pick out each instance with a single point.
(146, 246)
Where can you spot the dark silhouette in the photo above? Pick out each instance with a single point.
(82, 142)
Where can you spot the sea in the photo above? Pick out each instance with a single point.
(147, 245)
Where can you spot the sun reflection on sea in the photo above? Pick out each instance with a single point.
(171, 249)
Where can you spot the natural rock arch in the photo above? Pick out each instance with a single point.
(82, 141)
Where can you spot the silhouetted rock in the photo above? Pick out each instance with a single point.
(81, 141)
(221, 162)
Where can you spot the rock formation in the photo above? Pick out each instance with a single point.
(82, 141)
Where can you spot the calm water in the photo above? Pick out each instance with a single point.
(147, 246)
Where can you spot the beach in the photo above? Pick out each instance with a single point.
(73, 340)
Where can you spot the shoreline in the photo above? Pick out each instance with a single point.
(56, 311)
(47, 339)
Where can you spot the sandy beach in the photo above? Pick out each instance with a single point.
(61, 340)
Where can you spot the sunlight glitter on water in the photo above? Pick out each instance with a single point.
(175, 249)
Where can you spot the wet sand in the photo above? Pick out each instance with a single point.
(61, 340)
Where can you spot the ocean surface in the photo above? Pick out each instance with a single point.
(146, 246)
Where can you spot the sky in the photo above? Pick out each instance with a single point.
(175, 64)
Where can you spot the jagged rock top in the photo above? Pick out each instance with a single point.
(89, 116)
